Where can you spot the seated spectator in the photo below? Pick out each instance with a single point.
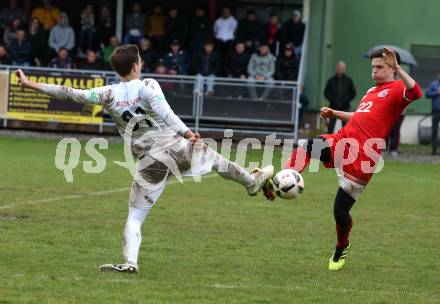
(9, 13)
(250, 46)
(63, 60)
(87, 30)
(261, 68)
(105, 27)
(92, 62)
(37, 36)
(148, 55)
(224, 32)
(20, 49)
(4, 56)
(167, 86)
(135, 24)
(207, 64)
(156, 29)
(293, 31)
(249, 28)
(176, 60)
(47, 14)
(200, 30)
(238, 59)
(62, 35)
(271, 32)
(10, 32)
(287, 64)
(108, 50)
(175, 26)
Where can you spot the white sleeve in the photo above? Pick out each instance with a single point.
(160, 106)
(96, 96)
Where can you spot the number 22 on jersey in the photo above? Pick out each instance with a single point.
(365, 107)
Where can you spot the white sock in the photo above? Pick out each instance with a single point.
(132, 234)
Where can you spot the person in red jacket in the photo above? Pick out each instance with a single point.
(355, 150)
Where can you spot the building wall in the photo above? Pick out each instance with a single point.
(347, 29)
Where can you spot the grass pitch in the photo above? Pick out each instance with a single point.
(210, 242)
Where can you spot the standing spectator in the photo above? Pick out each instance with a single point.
(207, 64)
(293, 31)
(135, 23)
(87, 30)
(63, 60)
(393, 140)
(224, 32)
(11, 31)
(238, 61)
(176, 60)
(92, 62)
(105, 27)
(249, 28)
(261, 68)
(156, 29)
(20, 49)
(9, 13)
(108, 50)
(433, 92)
(339, 91)
(148, 55)
(200, 30)
(287, 64)
(271, 32)
(304, 104)
(47, 15)
(4, 56)
(38, 39)
(175, 26)
(62, 35)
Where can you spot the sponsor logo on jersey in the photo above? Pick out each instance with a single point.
(127, 103)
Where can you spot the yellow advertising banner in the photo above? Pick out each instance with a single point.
(25, 104)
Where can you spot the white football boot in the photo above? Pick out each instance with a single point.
(260, 177)
(119, 268)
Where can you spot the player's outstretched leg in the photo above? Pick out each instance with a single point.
(344, 223)
(253, 182)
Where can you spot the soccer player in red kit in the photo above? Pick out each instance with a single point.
(354, 151)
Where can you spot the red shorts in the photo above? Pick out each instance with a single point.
(359, 167)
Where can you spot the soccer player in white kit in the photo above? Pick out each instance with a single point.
(161, 142)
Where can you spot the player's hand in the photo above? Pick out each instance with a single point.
(327, 113)
(195, 138)
(390, 58)
(22, 80)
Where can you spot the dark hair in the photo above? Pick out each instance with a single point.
(378, 54)
(123, 58)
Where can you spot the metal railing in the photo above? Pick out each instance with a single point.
(216, 103)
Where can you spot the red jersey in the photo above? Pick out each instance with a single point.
(378, 111)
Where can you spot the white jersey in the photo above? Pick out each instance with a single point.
(153, 119)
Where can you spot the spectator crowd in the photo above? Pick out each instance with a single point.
(169, 42)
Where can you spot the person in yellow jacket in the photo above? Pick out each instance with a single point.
(47, 14)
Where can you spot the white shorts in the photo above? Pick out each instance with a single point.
(156, 167)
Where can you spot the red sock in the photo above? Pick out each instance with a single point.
(298, 160)
(342, 235)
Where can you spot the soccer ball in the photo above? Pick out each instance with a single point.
(288, 184)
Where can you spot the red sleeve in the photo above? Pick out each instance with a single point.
(413, 94)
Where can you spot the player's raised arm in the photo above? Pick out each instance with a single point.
(93, 96)
(330, 113)
(413, 90)
(159, 104)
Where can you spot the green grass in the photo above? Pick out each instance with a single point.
(210, 242)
